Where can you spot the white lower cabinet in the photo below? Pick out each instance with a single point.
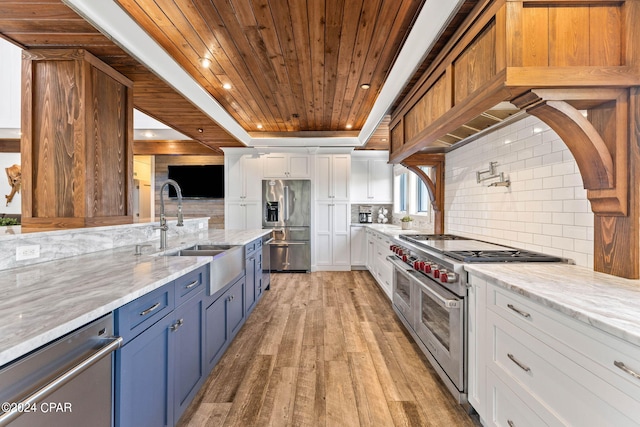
(358, 246)
(377, 263)
(541, 367)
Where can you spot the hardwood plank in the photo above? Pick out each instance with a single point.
(387, 382)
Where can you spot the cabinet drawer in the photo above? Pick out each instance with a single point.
(249, 248)
(136, 316)
(589, 347)
(573, 394)
(190, 284)
(507, 410)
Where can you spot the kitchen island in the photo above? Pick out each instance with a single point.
(44, 301)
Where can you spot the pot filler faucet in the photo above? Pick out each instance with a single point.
(163, 220)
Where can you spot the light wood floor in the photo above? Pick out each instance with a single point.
(324, 349)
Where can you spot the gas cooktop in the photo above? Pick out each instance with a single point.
(507, 255)
(474, 251)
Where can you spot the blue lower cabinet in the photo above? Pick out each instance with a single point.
(223, 319)
(144, 382)
(159, 371)
(186, 336)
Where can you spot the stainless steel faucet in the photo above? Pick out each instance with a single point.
(163, 220)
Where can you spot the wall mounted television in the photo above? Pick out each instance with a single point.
(198, 181)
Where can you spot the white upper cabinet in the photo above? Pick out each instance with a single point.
(243, 177)
(371, 177)
(286, 165)
(333, 175)
(10, 89)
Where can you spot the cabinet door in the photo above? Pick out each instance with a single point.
(235, 215)
(359, 180)
(250, 286)
(143, 381)
(216, 331)
(371, 254)
(187, 342)
(252, 173)
(298, 166)
(323, 238)
(236, 313)
(358, 246)
(275, 166)
(252, 215)
(235, 178)
(323, 177)
(340, 234)
(341, 167)
(380, 181)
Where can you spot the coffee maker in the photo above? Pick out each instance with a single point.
(365, 215)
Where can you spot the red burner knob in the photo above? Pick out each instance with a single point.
(444, 276)
(427, 268)
(436, 273)
(404, 258)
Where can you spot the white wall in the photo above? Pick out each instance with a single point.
(6, 160)
(545, 209)
(10, 87)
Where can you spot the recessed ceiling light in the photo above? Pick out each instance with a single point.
(348, 126)
(365, 86)
(148, 134)
(384, 139)
(259, 126)
(200, 130)
(205, 62)
(226, 86)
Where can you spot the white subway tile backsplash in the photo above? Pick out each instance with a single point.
(545, 209)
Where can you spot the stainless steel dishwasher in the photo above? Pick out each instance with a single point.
(66, 383)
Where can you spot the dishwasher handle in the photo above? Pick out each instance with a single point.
(112, 345)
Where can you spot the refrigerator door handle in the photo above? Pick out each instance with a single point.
(286, 203)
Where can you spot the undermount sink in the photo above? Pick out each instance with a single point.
(203, 250)
(227, 264)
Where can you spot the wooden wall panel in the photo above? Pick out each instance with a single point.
(431, 106)
(606, 43)
(476, 65)
(568, 29)
(213, 208)
(535, 37)
(397, 136)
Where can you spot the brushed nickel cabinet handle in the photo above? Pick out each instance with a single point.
(517, 362)
(192, 284)
(511, 423)
(150, 309)
(629, 371)
(520, 312)
(176, 325)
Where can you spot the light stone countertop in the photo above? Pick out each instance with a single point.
(609, 303)
(45, 301)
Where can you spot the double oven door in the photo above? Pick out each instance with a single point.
(435, 316)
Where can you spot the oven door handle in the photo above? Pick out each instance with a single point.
(443, 301)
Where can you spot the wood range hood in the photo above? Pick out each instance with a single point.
(575, 65)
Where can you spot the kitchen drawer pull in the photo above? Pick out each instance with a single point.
(624, 367)
(192, 284)
(511, 423)
(517, 362)
(520, 312)
(176, 325)
(150, 309)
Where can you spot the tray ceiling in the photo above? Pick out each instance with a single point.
(294, 70)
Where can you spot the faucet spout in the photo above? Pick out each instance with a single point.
(163, 220)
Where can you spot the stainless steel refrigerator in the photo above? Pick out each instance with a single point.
(286, 210)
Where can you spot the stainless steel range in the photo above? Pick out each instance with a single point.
(429, 295)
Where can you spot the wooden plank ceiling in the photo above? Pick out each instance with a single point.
(293, 67)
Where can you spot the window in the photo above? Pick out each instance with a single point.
(424, 201)
(410, 193)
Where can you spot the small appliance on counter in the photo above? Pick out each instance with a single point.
(365, 216)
